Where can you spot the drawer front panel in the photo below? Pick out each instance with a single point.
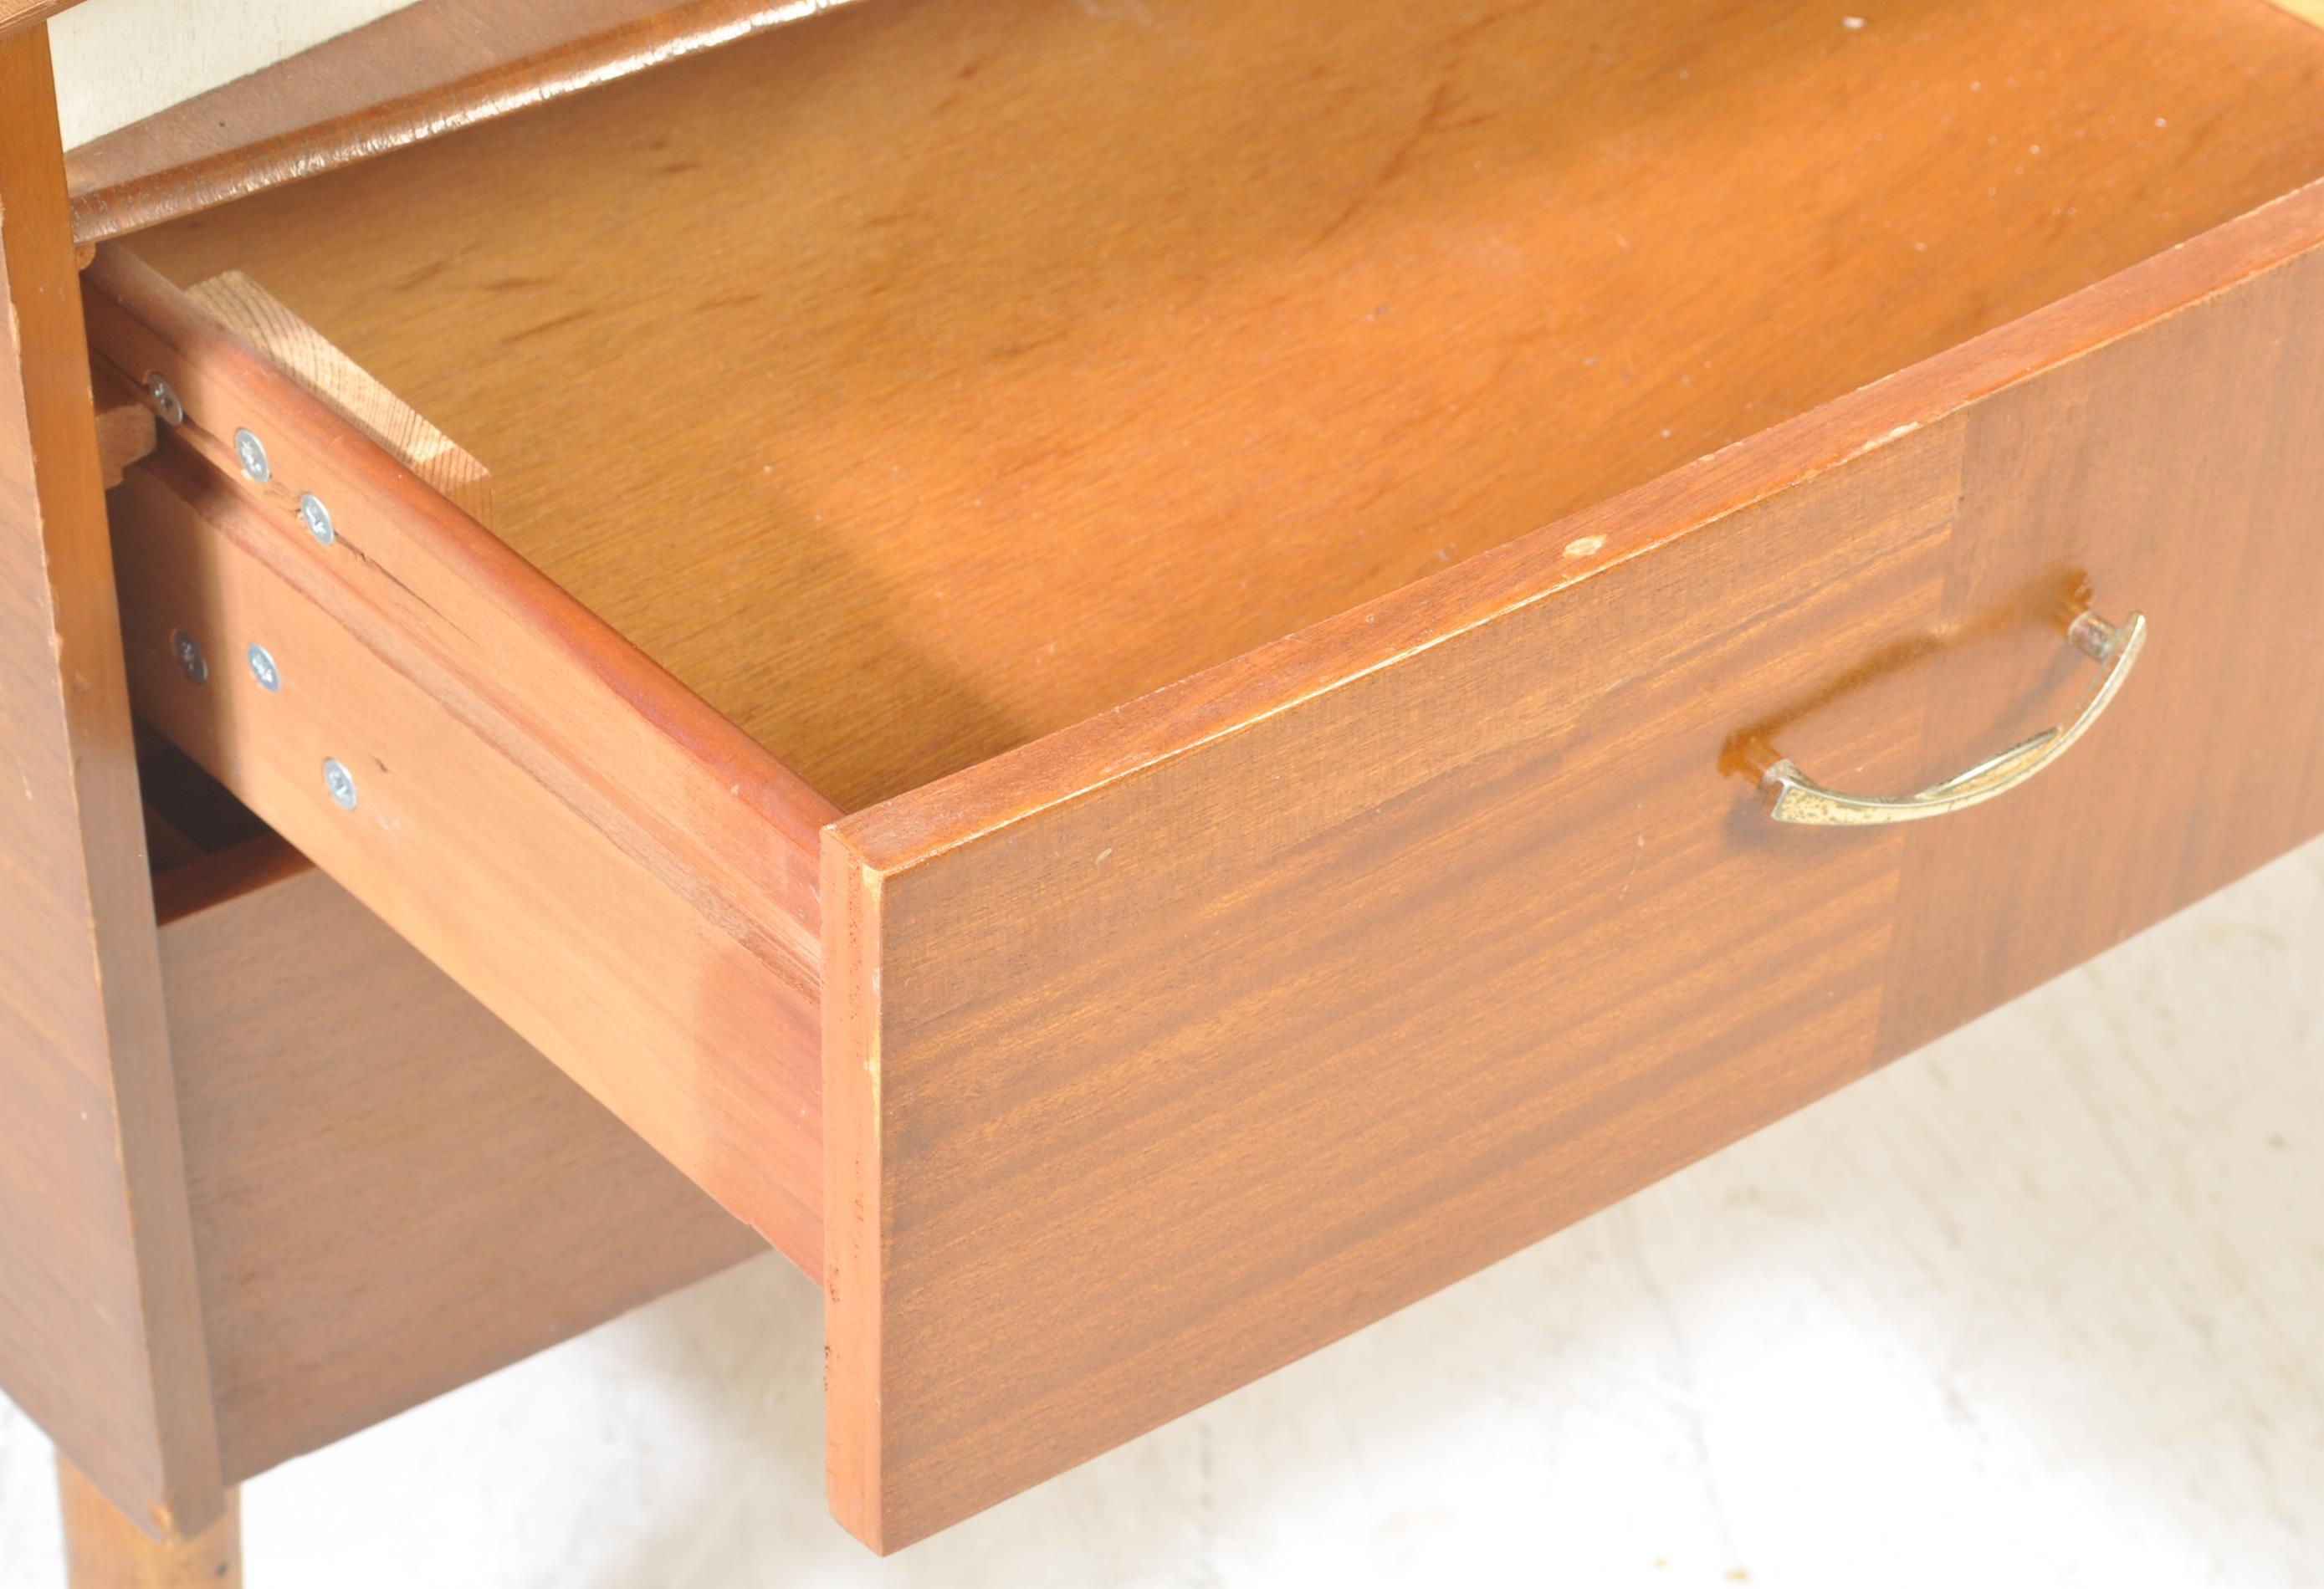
(1177, 1047)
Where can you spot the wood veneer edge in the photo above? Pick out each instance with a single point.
(854, 1274)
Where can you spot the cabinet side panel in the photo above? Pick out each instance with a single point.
(99, 1325)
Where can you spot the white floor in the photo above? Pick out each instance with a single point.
(2044, 1304)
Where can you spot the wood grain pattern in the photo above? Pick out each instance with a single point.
(391, 1193)
(430, 69)
(294, 347)
(100, 1325)
(607, 864)
(2183, 473)
(929, 377)
(623, 979)
(105, 1551)
(1205, 1032)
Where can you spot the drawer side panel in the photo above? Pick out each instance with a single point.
(577, 944)
(603, 860)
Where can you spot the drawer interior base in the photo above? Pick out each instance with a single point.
(923, 379)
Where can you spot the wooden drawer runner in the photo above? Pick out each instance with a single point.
(1128, 1046)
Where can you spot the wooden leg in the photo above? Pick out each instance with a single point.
(105, 1551)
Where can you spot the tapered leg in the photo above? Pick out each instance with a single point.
(105, 1551)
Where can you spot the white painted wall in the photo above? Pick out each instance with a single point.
(119, 60)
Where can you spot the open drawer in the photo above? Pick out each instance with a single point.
(1132, 661)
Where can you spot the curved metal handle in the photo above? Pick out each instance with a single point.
(1792, 796)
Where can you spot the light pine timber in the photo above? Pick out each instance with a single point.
(124, 424)
(925, 377)
(100, 1322)
(105, 1551)
(294, 347)
(1180, 1044)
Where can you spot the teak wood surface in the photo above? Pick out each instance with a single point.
(1178, 1044)
(391, 1194)
(925, 377)
(105, 1551)
(101, 1323)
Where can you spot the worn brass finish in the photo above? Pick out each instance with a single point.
(1792, 796)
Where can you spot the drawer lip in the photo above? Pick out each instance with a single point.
(912, 827)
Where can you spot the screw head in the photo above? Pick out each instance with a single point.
(262, 668)
(318, 520)
(340, 781)
(165, 401)
(190, 660)
(251, 452)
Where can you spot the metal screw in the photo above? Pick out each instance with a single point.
(262, 668)
(318, 520)
(253, 454)
(165, 401)
(340, 781)
(190, 660)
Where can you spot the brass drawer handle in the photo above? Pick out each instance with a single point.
(1792, 796)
